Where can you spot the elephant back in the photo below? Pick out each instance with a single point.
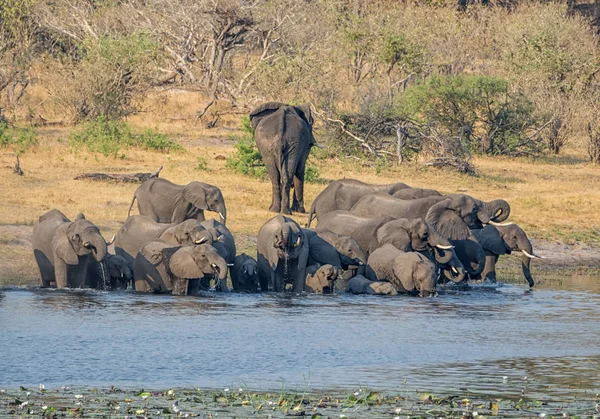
(264, 110)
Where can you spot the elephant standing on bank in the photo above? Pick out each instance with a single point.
(282, 251)
(139, 230)
(166, 202)
(244, 274)
(341, 195)
(503, 240)
(408, 272)
(162, 268)
(284, 138)
(63, 249)
(321, 279)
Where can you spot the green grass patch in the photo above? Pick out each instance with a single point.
(21, 139)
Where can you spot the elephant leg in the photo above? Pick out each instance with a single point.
(286, 185)
(60, 273)
(276, 192)
(298, 202)
(278, 282)
(489, 271)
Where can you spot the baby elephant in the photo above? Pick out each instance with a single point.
(321, 279)
(244, 274)
(408, 272)
(112, 274)
(162, 268)
(361, 285)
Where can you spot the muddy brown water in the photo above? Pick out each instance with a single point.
(500, 340)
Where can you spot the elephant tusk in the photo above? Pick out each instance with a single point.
(360, 263)
(439, 246)
(200, 241)
(221, 215)
(499, 224)
(532, 256)
(454, 269)
(298, 242)
(230, 264)
(108, 243)
(87, 245)
(316, 144)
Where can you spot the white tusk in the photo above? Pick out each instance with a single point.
(230, 264)
(454, 269)
(202, 240)
(360, 263)
(221, 215)
(532, 256)
(298, 241)
(213, 265)
(86, 245)
(316, 144)
(111, 240)
(439, 246)
(500, 224)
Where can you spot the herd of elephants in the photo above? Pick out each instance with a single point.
(374, 239)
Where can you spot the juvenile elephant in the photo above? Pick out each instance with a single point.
(113, 274)
(62, 249)
(282, 251)
(221, 234)
(361, 285)
(284, 138)
(139, 230)
(408, 272)
(415, 193)
(329, 248)
(503, 240)
(162, 268)
(341, 195)
(166, 202)
(321, 279)
(244, 274)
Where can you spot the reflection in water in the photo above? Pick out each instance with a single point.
(469, 338)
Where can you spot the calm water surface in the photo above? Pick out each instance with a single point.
(485, 339)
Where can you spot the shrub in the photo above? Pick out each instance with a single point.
(20, 138)
(202, 165)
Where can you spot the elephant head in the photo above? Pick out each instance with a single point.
(337, 250)
(453, 269)
(248, 271)
(190, 232)
(266, 109)
(78, 238)
(193, 262)
(322, 281)
(515, 240)
(118, 270)
(415, 273)
(453, 217)
(199, 195)
(287, 242)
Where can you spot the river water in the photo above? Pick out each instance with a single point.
(502, 340)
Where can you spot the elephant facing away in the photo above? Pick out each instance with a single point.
(503, 240)
(341, 195)
(166, 202)
(361, 285)
(408, 272)
(62, 249)
(139, 230)
(244, 274)
(161, 268)
(282, 255)
(284, 137)
(329, 248)
(321, 279)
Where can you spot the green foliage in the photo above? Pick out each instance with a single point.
(21, 139)
(13, 14)
(202, 165)
(397, 49)
(110, 137)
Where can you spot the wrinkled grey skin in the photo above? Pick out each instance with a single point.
(162, 268)
(329, 248)
(139, 230)
(244, 274)
(282, 255)
(321, 279)
(361, 285)
(63, 249)
(223, 235)
(284, 138)
(471, 255)
(341, 195)
(408, 272)
(406, 235)
(415, 193)
(166, 202)
(114, 271)
(503, 240)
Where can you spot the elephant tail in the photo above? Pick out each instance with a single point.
(131, 206)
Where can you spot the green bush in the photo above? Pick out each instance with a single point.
(110, 137)
(20, 138)
(202, 165)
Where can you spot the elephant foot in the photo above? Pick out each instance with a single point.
(300, 210)
(275, 208)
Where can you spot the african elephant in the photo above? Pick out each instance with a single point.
(361, 285)
(341, 195)
(415, 193)
(166, 202)
(408, 272)
(503, 240)
(63, 249)
(244, 274)
(320, 279)
(113, 274)
(471, 255)
(163, 268)
(139, 230)
(282, 251)
(222, 234)
(406, 235)
(327, 247)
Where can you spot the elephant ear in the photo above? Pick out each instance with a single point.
(263, 111)
(444, 220)
(80, 216)
(183, 265)
(323, 252)
(195, 194)
(396, 233)
(404, 271)
(490, 239)
(62, 246)
(153, 252)
(272, 256)
(305, 113)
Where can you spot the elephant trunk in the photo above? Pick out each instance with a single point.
(496, 211)
(220, 268)
(455, 274)
(525, 261)
(442, 256)
(97, 246)
(222, 213)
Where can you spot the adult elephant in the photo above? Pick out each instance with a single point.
(159, 267)
(138, 230)
(282, 255)
(329, 248)
(166, 202)
(284, 138)
(415, 193)
(408, 272)
(63, 248)
(503, 240)
(341, 195)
